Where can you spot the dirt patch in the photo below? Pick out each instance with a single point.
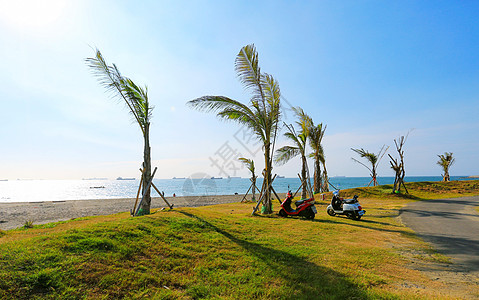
(445, 278)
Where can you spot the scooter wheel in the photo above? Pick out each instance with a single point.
(282, 213)
(331, 212)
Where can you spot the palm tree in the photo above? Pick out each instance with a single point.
(316, 134)
(446, 161)
(136, 99)
(373, 159)
(249, 163)
(261, 116)
(286, 153)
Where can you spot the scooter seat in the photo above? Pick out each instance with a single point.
(298, 203)
(350, 201)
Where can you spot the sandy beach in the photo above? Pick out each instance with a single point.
(14, 215)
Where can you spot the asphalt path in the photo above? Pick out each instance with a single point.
(451, 225)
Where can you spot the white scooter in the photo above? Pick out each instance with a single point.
(349, 207)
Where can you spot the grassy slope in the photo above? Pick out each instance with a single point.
(222, 252)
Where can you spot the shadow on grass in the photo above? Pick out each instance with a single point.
(303, 279)
(367, 224)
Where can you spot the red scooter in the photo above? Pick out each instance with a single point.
(304, 208)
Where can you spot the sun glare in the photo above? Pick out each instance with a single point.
(31, 14)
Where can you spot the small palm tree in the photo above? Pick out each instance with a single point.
(286, 153)
(249, 163)
(446, 160)
(136, 99)
(316, 134)
(373, 159)
(262, 116)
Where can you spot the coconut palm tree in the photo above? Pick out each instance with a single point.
(286, 153)
(316, 134)
(373, 159)
(262, 116)
(136, 99)
(249, 163)
(446, 160)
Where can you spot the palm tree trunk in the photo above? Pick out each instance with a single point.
(446, 175)
(146, 204)
(267, 178)
(303, 177)
(325, 180)
(317, 176)
(373, 175)
(253, 179)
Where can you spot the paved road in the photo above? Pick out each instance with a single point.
(451, 225)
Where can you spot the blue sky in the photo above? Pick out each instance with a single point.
(370, 70)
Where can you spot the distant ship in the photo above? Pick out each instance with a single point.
(279, 176)
(179, 178)
(121, 178)
(234, 177)
(3, 179)
(216, 177)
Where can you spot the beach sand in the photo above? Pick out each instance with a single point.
(14, 215)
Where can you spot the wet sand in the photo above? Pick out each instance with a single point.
(14, 215)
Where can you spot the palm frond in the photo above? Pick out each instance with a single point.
(304, 120)
(248, 70)
(135, 98)
(446, 160)
(371, 157)
(249, 163)
(215, 104)
(285, 154)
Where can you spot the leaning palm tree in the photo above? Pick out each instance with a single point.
(373, 159)
(316, 134)
(261, 116)
(136, 99)
(286, 153)
(446, 161)
(249, 163)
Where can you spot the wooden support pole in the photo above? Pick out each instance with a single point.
(294, 195)
(146, 190)
(261, 198)
(162, 195)
(137, 194)
(279, 199)
(246, 192)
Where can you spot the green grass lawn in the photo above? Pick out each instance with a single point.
(222, 252)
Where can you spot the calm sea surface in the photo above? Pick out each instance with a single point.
(56, 190)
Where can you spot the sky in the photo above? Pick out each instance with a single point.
(369, 70)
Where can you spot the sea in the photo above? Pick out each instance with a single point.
(92, 189)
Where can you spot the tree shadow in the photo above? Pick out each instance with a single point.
(443, 214)
(306, 279)
(367, 224)
(464, 250)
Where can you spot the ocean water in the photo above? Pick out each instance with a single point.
(59, 190)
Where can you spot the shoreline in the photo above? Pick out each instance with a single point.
(15, 214)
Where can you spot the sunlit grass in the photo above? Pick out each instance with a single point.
(219, 252)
